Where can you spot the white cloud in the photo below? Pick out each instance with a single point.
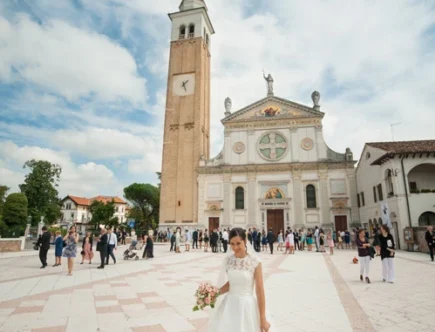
(72, 62)
(79, 179)
(101, 143)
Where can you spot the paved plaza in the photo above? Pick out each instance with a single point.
(308, 291)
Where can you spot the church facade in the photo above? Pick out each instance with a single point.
(275, 169)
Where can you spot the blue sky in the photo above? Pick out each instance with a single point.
(82, 82)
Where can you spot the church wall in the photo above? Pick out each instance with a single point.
(305, 155)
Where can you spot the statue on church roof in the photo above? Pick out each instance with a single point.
(315, 96)
(228, 105)
(269, 80)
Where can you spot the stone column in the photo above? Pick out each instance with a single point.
(324, 197)
(201, 200)
(354, 215)
(252, 199)
(227, 200)
(298, 203)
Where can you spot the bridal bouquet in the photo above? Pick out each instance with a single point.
(205, 295)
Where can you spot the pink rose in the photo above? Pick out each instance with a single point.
(207, 301)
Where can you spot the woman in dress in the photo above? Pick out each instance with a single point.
(330, 241)
(87, 252)
(206, 240)
(149, 245)
(264, 240)
(242, 309)
(364, 256)
(291, 241)
(310, 241)
(200, 239)
(280, 241)
(387, 254)
(322, 241)
(178, 240)
(70, 250)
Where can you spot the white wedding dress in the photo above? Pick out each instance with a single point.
(238, 311)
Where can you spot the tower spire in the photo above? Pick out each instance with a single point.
(192, 4)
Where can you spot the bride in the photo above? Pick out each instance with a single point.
(240, 310)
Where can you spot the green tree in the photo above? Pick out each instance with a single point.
(3, 191)
(15, 211)
(145, 197)
(103, 214)
(40, 188)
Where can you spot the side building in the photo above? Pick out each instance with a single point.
(396, 184)
(76, 210)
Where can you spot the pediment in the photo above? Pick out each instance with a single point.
(272, 108)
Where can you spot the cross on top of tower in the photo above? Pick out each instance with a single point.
(192, 4)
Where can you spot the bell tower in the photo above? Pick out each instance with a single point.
(187, 115)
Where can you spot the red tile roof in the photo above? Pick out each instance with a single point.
(87, 201)
(79, 200)
(404, 147)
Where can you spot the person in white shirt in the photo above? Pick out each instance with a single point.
(188, 239)
(291, 241)
(225, 240)
(112, 243)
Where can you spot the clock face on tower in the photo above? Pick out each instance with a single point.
(183, 85)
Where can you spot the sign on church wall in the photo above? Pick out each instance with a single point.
(338, 186)
(214, 190)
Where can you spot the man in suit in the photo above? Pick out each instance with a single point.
(225, 237)
(270, 240)
(44, 243)
(195, 239)
(112, 244)
(254, 239)
(429, 236)
(102, 247)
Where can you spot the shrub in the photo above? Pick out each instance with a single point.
(424, 191)
(415, 191)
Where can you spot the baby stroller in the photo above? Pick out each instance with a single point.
(131, 252)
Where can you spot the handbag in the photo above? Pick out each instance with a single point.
(82, 253)
(36, 247)
(64, 244)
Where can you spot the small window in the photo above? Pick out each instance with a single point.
(72, 215)
(412, 186)
(182, 34)
(206, 39)
(311, 197)
(380, 194)
(363, 201)
(116, 209)
(240, 198)
(374, 194)
(191, 31)
(122, 219)
(368, 155)
(68, 206)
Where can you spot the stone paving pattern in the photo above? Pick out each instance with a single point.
(305, 292)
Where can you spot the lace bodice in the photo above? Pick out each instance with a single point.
(248, 263)
(241, 274)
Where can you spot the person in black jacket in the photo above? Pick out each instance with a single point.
(387, 254)
(429, 236)
(195, 239)
(102, 247)
(270, 240)
(44, 243)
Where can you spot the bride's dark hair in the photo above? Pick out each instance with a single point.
(237, 232)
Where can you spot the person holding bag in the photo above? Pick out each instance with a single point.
(387, 254)
(87, 252)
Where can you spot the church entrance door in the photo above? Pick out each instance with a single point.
(340, 223)
(275, 220)
(213, 223)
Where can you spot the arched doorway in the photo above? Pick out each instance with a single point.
(427, 218)
(422, 178)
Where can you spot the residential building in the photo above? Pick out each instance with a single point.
(76, 210)
(397, 178)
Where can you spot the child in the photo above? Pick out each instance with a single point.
(330, 243)
(58, 246)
